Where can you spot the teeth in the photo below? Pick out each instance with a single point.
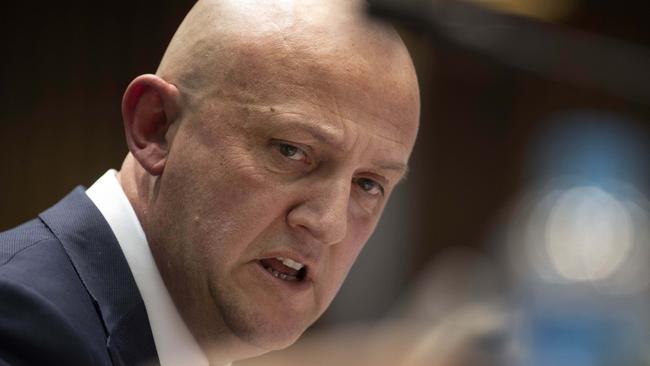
(290, 263)
(282, 276)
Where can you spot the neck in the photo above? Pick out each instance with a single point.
(135, 182)
(139, 186)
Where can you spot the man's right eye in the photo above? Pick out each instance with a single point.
(292, 152)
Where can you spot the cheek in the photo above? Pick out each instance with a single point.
(216, 197)
(232, 214)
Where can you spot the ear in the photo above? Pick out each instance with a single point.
(149, 106)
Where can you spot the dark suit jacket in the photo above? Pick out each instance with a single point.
(67, 296)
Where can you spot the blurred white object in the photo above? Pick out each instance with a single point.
(584, 234)
(588, 234)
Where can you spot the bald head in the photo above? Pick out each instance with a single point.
(233, 43)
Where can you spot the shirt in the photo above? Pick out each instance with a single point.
(174, 343)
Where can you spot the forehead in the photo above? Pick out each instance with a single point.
(334, 86)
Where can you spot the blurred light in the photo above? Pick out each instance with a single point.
(588, 234)
(579, 233)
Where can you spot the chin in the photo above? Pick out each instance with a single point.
(264, 330)
(259, 320)
(270, 336)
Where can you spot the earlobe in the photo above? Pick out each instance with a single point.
(149, 106)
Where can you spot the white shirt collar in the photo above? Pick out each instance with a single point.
(174, 342)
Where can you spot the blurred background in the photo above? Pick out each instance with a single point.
(521, 234)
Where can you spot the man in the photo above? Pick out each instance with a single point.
(262, 153)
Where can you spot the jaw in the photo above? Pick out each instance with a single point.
(259, 312)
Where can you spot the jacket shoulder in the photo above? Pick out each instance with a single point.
(46, 314)
(33, 331)
(22, 237)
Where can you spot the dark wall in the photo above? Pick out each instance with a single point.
(63, 69)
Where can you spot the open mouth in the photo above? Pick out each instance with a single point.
(285, 269)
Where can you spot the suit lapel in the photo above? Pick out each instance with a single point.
(101, 266)
(131, 341)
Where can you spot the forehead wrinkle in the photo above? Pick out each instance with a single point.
(334, 109)
(322, 132)
(338, 130)
(334, 135)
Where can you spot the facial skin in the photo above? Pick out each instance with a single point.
(278, 132)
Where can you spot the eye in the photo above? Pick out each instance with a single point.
(292, 152)
(369, 186)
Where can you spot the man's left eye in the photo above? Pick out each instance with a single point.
(370, 186)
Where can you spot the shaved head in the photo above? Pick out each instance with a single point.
(223, 44)
(263, 153)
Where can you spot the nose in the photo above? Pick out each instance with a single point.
(323, 211)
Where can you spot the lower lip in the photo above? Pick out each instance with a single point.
(296, 286)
